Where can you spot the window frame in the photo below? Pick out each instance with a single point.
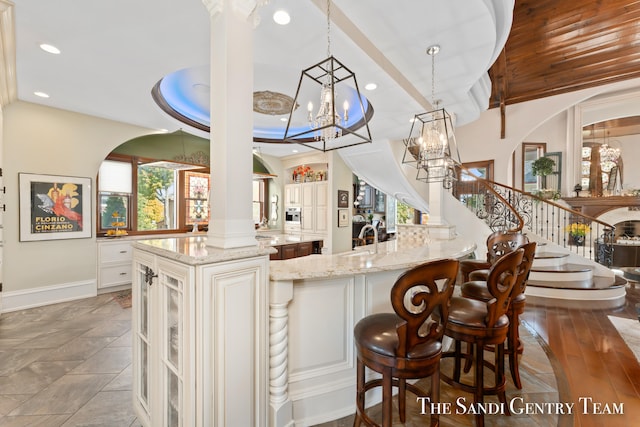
(132, 220)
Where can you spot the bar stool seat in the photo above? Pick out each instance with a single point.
(383, 327)
(406, 344)
(480, 323)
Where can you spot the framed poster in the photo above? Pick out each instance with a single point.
(343, 217)
(343, 199)
(54, 207)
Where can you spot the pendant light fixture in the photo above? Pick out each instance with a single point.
(334, 122)
(431, 143)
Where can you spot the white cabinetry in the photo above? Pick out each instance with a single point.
(200, 346)
(291, 195)
(314, 203)
(114, 264)
(163, 343)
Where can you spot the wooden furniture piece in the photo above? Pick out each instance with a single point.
(478, 324)
(390, 343)
(596, 206)
(295, 250)
(477, 289)
(499, 243)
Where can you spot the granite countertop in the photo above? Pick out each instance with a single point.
(284, 239)
(392, 255)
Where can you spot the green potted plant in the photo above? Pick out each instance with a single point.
(542, 167)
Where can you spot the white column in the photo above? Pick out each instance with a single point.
(436, 204)
(280, 404)
(231, 224)
(8, 94)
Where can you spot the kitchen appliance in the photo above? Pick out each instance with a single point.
(292, 215)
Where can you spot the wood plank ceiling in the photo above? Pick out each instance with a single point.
(558, 46)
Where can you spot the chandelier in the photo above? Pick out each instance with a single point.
(431, 141)
(329, 128)
(608, 157)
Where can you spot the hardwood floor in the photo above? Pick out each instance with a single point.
(593, 357)
(69, 365)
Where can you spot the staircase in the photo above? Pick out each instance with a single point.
(566, 271)
(554, 277)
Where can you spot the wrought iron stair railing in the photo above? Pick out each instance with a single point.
(506, 208)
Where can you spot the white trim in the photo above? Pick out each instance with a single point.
(607, 294)
(45, 295)
(8, 80)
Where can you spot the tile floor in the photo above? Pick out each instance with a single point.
(67, 364)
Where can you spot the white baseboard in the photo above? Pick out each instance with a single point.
(45, 295)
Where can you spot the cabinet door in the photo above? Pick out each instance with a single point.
(305, 248)
(308, 207)
(321, 210)
(172, 288)
(142, 337)
(292, 195)
(289, 251)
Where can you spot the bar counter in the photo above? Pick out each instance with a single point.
(288, 323)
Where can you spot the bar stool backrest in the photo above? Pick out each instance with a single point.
(421, 297)
(500, 282)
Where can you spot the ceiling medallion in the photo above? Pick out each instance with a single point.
(272, 103)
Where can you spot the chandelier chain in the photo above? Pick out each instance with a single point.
(433, 79)
(328, 28)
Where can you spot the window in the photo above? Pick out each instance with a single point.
(259, 197)
(197, 197)
(156, 197)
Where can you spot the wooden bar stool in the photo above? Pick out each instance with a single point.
(499, 243)
(406, 344)
(480, 323)
(477, 289)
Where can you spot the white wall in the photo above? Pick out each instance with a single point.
(43, 140)
(527, 122)
(630, 150)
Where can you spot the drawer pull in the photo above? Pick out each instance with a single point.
(123, 274)
(123, 252)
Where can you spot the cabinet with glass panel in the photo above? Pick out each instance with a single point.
(162, 351)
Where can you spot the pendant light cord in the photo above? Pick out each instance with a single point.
(328, 28)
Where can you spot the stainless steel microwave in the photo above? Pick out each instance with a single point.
(292, 215)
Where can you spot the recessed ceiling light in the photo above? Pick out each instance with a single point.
(283, 119)
(201, 87)
(41, 94)
(371, 86)
(412, 119)
(281, 17)
(50, 48)
(294, 151)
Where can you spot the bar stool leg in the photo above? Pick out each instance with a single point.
(402, 403)
(514, 349)
(387, 398)
(456, 361)
(478, 396)
(500, 376)
(435, 396)
(359, 392)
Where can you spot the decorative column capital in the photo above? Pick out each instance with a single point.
(245, 8)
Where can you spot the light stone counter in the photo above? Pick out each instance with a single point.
(396, 254)
(193, 250)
